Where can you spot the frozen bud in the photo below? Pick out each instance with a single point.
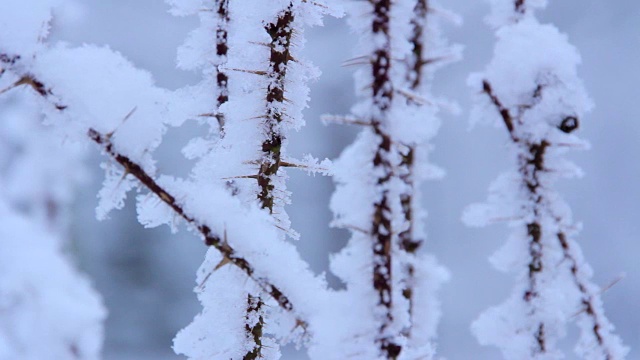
(568, 124)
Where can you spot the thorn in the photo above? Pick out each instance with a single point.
(436, 59)
(316, 4)
(108, 135)
(241, 177)
(225, 260)
(345, 120)
(358, 60)
(255, 72)
(352, 228)
(260, 43)
(414, 97)
(258, 117)
(300, 324)
(125, 171)
(505, 218)
(129, 114)
(282, 228)
(316, 169)
(206, 278)
(288, 164)
(613, 283)
(570, 145)
(35, 84)
(8, 88)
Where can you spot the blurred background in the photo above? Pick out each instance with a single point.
(146, 276)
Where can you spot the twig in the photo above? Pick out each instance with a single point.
(210, 238)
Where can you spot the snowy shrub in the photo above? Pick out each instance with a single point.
(257, 293)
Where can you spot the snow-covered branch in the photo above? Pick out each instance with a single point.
(265, 89)
(142, 174)
(532, 86)
(381, 173)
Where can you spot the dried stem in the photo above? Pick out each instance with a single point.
(255, 303)
(531, 158)
(588, 298)
(210, 238)
(254, 326)
(417, 60)
(281, 32)
(410, 245)
(381, 228)
(222, 79)
(531, 164)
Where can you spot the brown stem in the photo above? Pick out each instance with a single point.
(504, 112)
(531, 161)
(130, 167)
(417, 59)
(281, 32)
(210, 239)
(416, 64)
(381, 229)
(406, 239)
(254, 332)
(254, 303)
(222, 79)
(587, 297)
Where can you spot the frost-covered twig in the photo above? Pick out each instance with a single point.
(415, 65)
(214, 65)
(382, 217)
(222, 48)
(281, 32)
(539, 102)
(266, 91)
(380, 173)
(421, 275)
(210, 238)
(531, 164)
(595, 323)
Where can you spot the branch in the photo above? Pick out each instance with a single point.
(588, 299)
(131, 167)
(381, 225)
(210, 239)
(504, 112)
(531, 162)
